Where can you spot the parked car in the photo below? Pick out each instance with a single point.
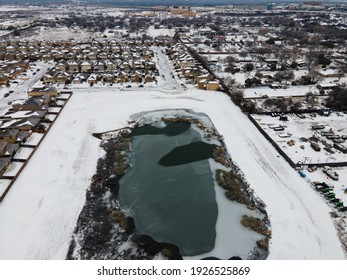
(6, 94)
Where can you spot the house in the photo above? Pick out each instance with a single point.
(80, 78)
(73, 66)
(109, 78)
(149, 79)
(23, 136)
(211, 85)
(122, 77)
(99, 66)
(21, 124)
(136, 78)
(43, 90)
(2, 148)
(11, 150)
(86, 67)
(93, 78)
(34, 103)
(63, 78)
(62, 66)
(9, 135)
(110, 66)
(40, 114)
(48, 79)
(201, 83)
(4, 164)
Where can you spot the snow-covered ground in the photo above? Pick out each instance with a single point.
(296, 128)
(257, 92)
(151, 31)
(52, 197)
(60, 33)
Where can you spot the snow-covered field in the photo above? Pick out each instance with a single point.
(51, 189)
(151, 31)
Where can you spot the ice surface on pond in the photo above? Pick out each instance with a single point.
(180, 203)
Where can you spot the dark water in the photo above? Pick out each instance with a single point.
(170, 189)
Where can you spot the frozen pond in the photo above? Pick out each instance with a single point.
(171, 193)
(170, 188)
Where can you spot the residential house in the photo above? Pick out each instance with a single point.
(73, 66)
(21, 124)
(4, 164)
(93, 78)
(63, 78)
(86, 67)
(2, 148)
(43, 90)
(11, 150)
(149, 79)
(9, 135)
(34, 103)
(211, 85)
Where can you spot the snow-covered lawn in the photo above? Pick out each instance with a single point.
(54, 109)
(51, 189)
(64, 96)
(51, 117)
(34, 139)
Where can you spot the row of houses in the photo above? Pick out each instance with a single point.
(25, 117)
(88, 66)
(134, 76)
(191, 69)
(21, 50)
(10, 70)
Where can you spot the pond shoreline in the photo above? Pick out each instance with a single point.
(105, 231)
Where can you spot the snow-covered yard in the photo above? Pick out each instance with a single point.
(54, 109)
(51, 189)
(13, 169)
(23, 153)
(34, 139)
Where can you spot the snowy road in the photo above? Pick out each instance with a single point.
(20, 87)
(38, 215)
(165, 70)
